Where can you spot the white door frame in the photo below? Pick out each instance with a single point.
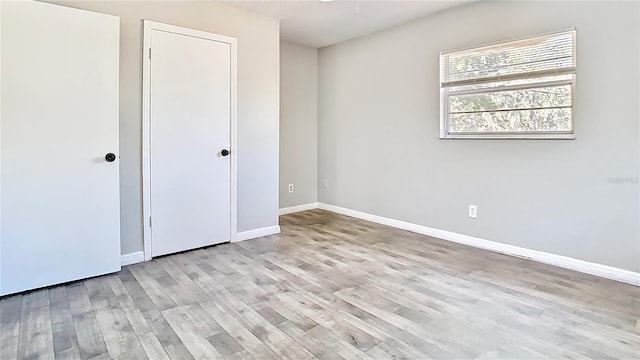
(149, 26)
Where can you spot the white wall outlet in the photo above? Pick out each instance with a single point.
(325, 183)
(290, 188)
(473, 211)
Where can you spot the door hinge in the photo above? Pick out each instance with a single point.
(149, 53)
(149, 221)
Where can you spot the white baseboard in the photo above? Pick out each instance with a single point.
(132, 258)
(252, 234)
(298, 208)
(600, 270)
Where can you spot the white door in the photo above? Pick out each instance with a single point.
(60, 216)
(190, 126)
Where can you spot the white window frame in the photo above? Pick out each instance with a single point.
(445, 94)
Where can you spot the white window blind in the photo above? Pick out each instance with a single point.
(516, 89)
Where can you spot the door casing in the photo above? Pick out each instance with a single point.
(148, 27)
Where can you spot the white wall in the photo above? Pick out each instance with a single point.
(380, 153)
(258, 103)
(298, 124)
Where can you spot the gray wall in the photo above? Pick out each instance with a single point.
(258, 103)
(298, 124)
(380, 153)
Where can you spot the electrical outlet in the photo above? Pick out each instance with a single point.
(290, 188)
(473, 211)
(325, 183)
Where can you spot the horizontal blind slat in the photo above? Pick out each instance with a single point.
(508, 85)
(533, 74)
(529, 61)
(510, 110)
(523, 56)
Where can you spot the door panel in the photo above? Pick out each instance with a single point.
(190, 125)
(60, 198)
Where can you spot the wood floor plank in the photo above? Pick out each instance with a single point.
(296, 318)
(270, 335)
(308, 342)
(65, 340)
(226, 345)
(198, 345)
(10, 313)
(198, 275)
(385, 351)
(36, 331)
(90, 340)
(129, 307)
(104, 356)
(240, 333)
(167, 337)
(152, 347)
(357, 298)
(326, 317)
(387, 341)
(117, 331)
(147, 274)
(164, 334)
(340, 347)
(182, 289)
(201, 318)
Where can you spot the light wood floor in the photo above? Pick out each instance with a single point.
(328, 287)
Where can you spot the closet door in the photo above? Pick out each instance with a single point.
(190, 107)
(59, 182)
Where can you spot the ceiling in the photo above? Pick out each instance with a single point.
(318, 23)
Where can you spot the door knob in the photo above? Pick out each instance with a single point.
(224, 152)
(110, 157)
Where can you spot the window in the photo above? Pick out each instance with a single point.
(516, 89)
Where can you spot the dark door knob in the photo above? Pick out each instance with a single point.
(224, 152)
(110, 157)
